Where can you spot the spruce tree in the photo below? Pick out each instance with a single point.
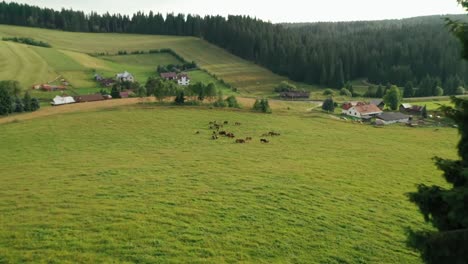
(27, 101)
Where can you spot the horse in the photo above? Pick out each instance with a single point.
(264, 141)
(240, 141)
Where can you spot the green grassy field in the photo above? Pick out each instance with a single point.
(248, 77)
(135, 184)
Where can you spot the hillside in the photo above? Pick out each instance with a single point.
(69, 57)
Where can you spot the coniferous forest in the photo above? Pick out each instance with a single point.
(416, 52)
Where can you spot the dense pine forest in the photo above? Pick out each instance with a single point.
(417, 52)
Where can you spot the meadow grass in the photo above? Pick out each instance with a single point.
(136, 184)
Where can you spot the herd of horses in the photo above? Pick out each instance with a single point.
(218, 132)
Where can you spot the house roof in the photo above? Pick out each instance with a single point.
(368, 109)
(392, 116)
(168, 75)
(182, 75)
(406, 106)
(89, 98)
(377, 102)
(125, 74)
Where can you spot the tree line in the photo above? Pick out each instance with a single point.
(11, 100)
(393, 51)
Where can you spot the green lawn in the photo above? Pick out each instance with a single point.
(136, 185)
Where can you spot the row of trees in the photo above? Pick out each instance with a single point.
(11, 100)
(395, 51)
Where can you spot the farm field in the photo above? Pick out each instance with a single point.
(248, 77)
(134, 183)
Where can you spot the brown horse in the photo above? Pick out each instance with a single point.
(240, 141)
(264, 141)
(248, 139)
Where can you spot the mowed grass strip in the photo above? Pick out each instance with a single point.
(136, 184)
(21, 63)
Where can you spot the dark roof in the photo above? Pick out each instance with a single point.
(377, 102)
(167, 75)
(89, 98)
(296, 94)
(392, 116)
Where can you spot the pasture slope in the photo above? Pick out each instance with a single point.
(135, 184)
(248, 77)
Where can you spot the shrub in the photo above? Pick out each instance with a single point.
(460, 91)
(285, 87)
(29, 41)
(345, 92)
(328, 92)
(262, 105)
(180, 98)
(232, 102)
(328, 105)
(438, 91)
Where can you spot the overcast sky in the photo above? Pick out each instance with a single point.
(270, 10)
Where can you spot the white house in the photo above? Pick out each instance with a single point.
(388, 118)
(363, 111)
(183, 79)
(62, 100)
(125, 77)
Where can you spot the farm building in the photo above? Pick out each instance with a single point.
(89, 98)
(62, 100)
(169, 76)
(295, 95)
(379, 103)
(183, 79)
(125, 77)
(408, 108)
(49, 88)
(348, 105)
(98, 77)
(364, 111)
(388, 118)
(126, 94)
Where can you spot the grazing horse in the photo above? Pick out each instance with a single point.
(226, 122)
(230, 135)
(240, 141)
(248, 139)
(264, 141)
(222, 133)
(214, 137)
(238, 124)
(273, 134)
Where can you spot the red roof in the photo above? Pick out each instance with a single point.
(169, 75)
(368, 109)
(89, 98)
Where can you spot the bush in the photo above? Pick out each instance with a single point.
(328, 92)
(232, 102)
(285, 87)
(328, 105)
(180, 98)
(345, 92)
(438, 91)
(262, 105)
(460, 91)
(29, 41)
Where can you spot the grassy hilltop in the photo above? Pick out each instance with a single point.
(68, 57)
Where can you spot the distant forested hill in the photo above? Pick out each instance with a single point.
(417, 50)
